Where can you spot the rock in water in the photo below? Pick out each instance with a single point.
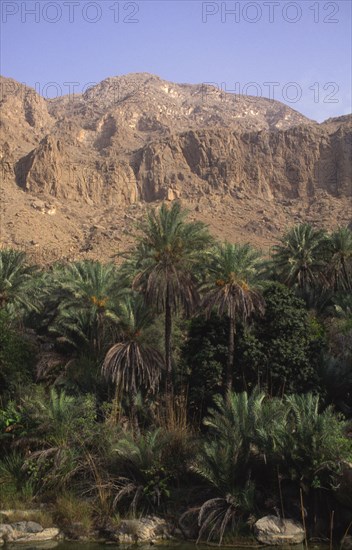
(275, 531)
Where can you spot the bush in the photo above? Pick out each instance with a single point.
(284, 347)
(17, 358)
(16, 486)
(203, 359)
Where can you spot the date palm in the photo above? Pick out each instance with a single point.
(165, 264)
(315, 445)
(232, 289)
(131, 363)
(339, 259)
(60, 428)
(87, 295)
(17, 288)
(299, 259)
(242, 430)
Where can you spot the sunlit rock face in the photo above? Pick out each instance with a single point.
(137, 139)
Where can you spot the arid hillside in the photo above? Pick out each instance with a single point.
(77, 171)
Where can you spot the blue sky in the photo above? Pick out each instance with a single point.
(300, 51)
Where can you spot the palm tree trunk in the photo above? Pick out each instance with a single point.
(134, 414)
(168, 354)
(230, 356)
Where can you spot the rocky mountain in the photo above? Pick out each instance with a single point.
(78, 170)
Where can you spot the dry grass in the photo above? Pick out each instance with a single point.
(171, 415)
(73, 515)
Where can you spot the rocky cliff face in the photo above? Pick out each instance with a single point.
(137, 139)
(271, 164)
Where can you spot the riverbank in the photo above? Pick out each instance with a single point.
(17, 529)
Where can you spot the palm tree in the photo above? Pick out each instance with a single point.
(254, 424)
(60, 430)
(316, 443)
(242, 430)
(142, 461)
(131, 362)
(149, 466)
(299, 258)
(339, 258)
(17, 291)
(86, 294)
(165, 264)
(232, 290)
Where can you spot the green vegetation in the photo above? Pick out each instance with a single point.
(196, 380)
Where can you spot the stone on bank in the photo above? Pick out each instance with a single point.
(27, 531)
(273, 530)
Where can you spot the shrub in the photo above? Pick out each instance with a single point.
(284, 347)
(17, 358)
(16, 486)
(203, 358)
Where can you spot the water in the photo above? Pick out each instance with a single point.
(51, 545)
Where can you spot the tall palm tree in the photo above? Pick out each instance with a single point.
(132, 363)
(232, 289)
(299, 259)
(339, 258)
(165, 265)
(17, 291)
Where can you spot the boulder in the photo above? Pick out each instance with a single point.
(276, 531)
(51, 533)
(5, 530)
(39, 205)
(148, 529)
(27, 531)
(27, 526)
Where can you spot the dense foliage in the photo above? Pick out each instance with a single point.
(196, 379)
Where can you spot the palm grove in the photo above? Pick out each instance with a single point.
(197, 380)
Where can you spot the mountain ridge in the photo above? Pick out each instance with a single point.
(137, 139)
